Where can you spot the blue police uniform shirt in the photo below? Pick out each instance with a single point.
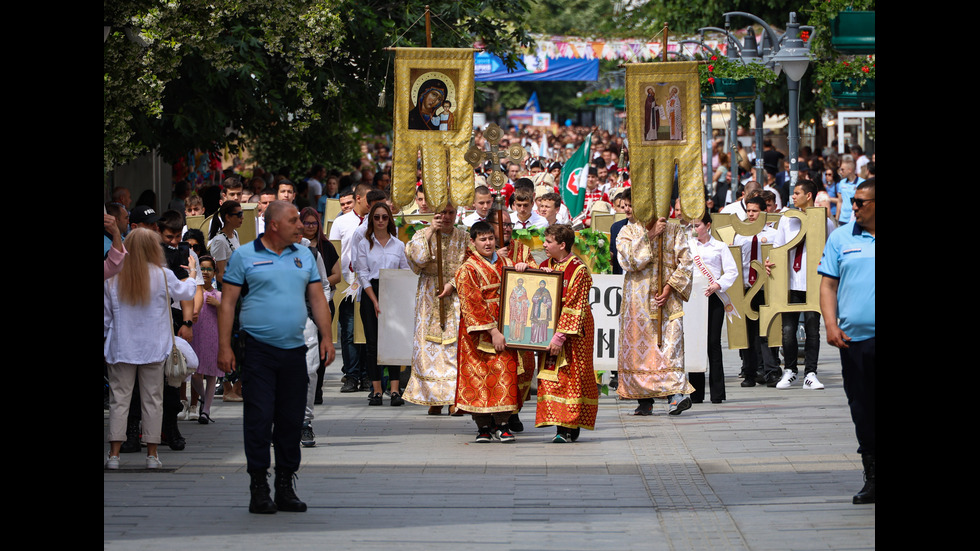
(849, 257)
(274, 290)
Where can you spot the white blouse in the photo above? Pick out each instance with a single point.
(717, 259)
(141, 334)
(369, 261)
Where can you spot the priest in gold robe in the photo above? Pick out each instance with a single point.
(433, 381)
(657, 264)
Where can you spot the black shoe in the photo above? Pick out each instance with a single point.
(644, 409)
(867, 493)
(614, 381)
(171, 436)
(772, 381)
(286, 499)
(375, 400)
(573, 433)
(485, 436)
(349, 386)
(261, 503)
(760, 378)
(396, 399)
(132, 443)
(366, 386)
(504, 435)
(307, 438)
(747, 382)
(204, 419)
(515, 424)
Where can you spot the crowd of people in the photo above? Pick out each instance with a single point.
(264, 304)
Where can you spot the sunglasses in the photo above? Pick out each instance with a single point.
(859, 203)
(239, 214)
(381, 217)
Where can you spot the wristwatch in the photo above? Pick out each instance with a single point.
(187, 323)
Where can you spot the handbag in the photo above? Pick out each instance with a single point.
(175, 367)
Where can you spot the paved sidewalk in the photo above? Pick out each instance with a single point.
(765, 470)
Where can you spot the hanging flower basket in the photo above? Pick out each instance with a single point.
(739, 90)
(850, 92)
(853, 32)
(725, 80)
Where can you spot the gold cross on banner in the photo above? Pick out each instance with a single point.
(476, 156)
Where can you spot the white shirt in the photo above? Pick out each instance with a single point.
(563, 216)
(315, 190)
(789, 227)
(369, 261)
(534, 221)
(473, 218)
(141, 334)
(737, 208)
(767, 235)
(717, 259)
(779, 199)
(344, 228)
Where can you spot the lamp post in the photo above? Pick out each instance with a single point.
(791, 55)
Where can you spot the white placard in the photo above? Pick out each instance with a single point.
(396, 324)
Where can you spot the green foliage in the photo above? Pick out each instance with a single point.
(603, 387)
(528, 233)
(819, 14)
(616, 19)
(830, 66)
(187, 74)
(269, 74)
(595, 244)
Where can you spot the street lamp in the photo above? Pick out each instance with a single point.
(791, 55)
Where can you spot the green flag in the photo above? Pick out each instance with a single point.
(573, 177)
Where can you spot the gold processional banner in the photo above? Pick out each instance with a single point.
(434, 115)
(663, 103)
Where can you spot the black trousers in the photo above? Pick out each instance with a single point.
(858, 370)
(369, 362)
(274, 382)
(750, 355)
(716, 371)
(811, 347)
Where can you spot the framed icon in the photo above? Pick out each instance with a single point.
(530, 303)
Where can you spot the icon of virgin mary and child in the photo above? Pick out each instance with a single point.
(426, 114)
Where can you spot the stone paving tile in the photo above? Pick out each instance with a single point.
(765, 470)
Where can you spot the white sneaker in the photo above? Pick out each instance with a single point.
(787, 381)
(192, 413)
(153, 462)
(112, 462)
(811, 382)
(183, 410)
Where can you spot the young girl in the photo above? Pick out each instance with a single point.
(206, 341)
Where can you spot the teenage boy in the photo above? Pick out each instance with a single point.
(568, 397)
(487, 385)
(482, 203)
(524, 216)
